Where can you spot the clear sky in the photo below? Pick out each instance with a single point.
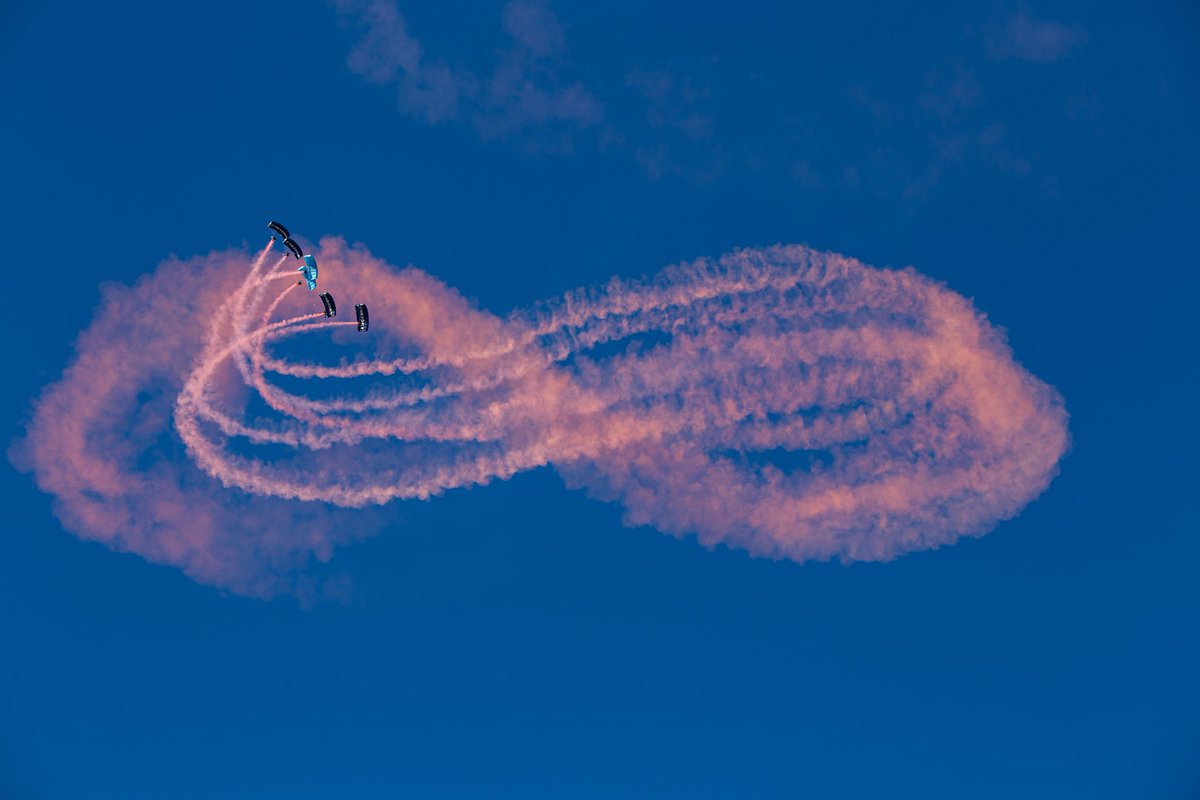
(518, 639)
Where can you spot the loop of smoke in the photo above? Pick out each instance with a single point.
(790, 402)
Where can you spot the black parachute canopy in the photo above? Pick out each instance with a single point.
(360, 311)
(330, 306)
(282, 231)
(290, 244)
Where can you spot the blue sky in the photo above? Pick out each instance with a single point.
(517, 639)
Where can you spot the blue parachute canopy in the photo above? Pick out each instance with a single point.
(309, 268)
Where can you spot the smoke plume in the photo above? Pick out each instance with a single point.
(789, 402)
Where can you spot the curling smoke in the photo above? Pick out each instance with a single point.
(789, 402)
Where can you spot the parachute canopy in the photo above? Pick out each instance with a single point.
(330, 306)
(290, 244)
(282, 231)
(309, 268)
(360, 311)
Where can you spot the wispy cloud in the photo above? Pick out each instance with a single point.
(671, 104)
(949, 92)
(680, 134)
(528, 95)
(998, 154)
(523, 93)
(946, 126)
(387, 54)
(1026, 38)
(535, 27)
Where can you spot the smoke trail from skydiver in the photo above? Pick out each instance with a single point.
(785, 401)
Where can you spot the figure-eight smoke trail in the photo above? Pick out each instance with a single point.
(790, 402)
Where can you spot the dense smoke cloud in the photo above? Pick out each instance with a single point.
(790, 402)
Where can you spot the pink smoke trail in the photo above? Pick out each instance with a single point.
(786, 401)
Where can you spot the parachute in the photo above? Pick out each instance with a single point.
(360, 311)
(282, 231)
(290, 244)
(330, 306)
(309, 268)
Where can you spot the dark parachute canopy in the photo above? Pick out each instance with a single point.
(330, 306)
(360, 311)
(282, 231)
(290, 244)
